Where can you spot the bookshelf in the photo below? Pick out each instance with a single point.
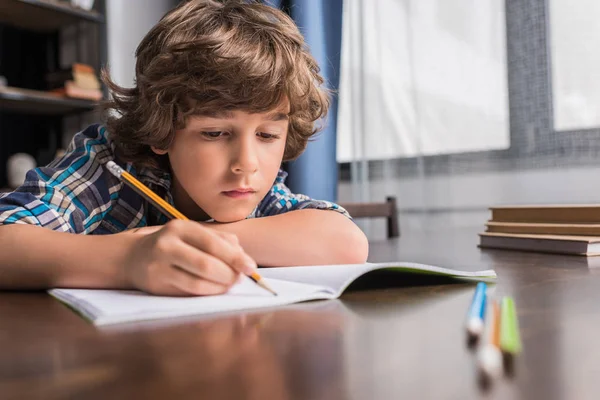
(38, 37)
(40, 102)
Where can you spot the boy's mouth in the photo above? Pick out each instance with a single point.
(239, 193)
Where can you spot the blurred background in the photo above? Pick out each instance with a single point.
(450, 106)
(455, 106)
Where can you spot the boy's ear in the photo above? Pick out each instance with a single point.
(158, 151)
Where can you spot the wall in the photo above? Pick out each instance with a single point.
(128, 22)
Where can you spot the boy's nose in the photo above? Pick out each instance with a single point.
(245, 160)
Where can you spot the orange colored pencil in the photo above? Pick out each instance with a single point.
(490, 357)
(495, 326)
(165, 207)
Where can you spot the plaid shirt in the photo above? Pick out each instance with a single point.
(76, 194)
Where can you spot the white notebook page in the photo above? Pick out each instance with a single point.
(114, 306)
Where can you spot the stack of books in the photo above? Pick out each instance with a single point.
(79, 81)
(565, 229)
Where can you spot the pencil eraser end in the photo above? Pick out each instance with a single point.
(490, 361)
(114, 168)
(475, 326)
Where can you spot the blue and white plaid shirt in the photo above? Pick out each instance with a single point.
(76, 194)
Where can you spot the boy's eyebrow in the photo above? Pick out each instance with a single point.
(279, 116)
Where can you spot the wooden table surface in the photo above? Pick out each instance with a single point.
(390, 343)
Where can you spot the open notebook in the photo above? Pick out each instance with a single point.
(293, 285)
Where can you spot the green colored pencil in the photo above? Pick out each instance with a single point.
(510, 339)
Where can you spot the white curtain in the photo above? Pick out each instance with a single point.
(422, 77)
(575, 44)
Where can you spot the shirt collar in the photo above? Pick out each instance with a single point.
(281, 176)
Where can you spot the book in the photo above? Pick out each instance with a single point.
(551, 213)
(562, 244)
(543, 228)
(293, 285)
(84, 76)
(72, 90)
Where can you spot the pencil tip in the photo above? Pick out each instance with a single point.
(271, 290)
(263, 285)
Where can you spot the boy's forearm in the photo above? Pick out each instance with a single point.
(38, 258)
(302, 237)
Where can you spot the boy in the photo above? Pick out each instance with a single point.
(224, 92)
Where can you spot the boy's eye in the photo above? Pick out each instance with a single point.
(214, 134)
(267, 136)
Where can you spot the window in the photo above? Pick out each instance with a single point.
(422, 77)
(575, 55)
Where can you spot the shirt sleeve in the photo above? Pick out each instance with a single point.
(280, 200)
(71, 194)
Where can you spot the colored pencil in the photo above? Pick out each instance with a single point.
(165, 207)
(476, 313)
(510, 339)
(490, 356)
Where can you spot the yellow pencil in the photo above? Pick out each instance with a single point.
(164, 207)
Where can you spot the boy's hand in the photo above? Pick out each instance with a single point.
(185, 258)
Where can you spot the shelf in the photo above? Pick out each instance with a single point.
(41, 103)
(44, 15)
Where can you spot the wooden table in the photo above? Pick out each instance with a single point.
(394, 343)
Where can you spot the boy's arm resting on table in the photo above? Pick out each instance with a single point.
(179, 258)
(300, 237)
(33, 257)
(42, 223)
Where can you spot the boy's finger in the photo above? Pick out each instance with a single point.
(208, 241)
(192, 285)
(202, 265)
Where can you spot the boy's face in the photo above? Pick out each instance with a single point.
(223, 165)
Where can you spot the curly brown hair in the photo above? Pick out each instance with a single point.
(207, 56)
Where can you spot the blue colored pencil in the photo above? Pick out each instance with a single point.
(476, 313)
